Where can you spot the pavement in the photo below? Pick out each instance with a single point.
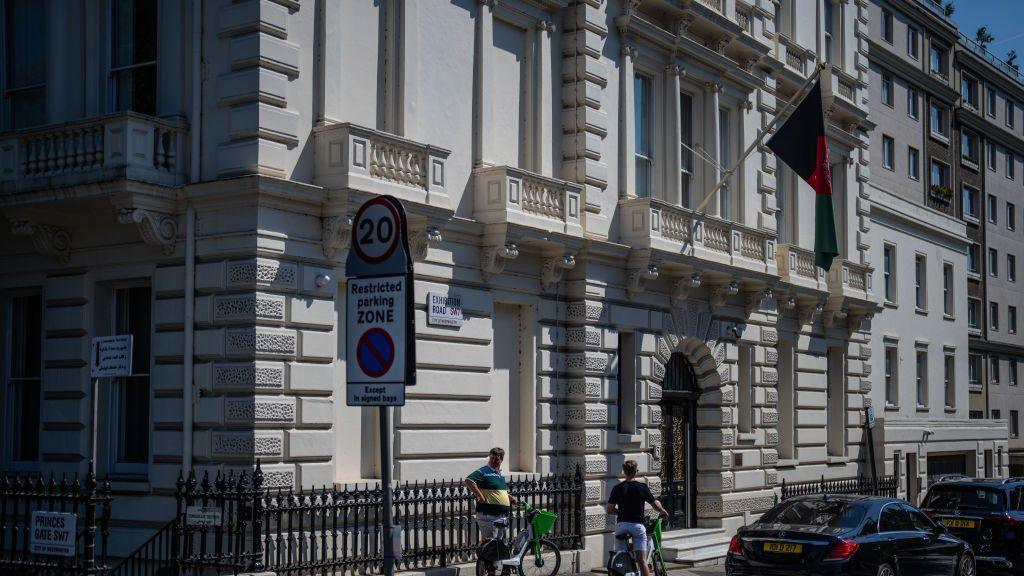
(708, 571)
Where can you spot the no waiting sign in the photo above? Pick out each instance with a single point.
(380, 337)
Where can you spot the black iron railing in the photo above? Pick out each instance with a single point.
(20, 496)
(233, 523)
(884, 486)
(153, 557)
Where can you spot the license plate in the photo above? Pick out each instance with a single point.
(783, 548)
(957, 523)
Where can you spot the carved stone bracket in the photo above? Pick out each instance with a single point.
(720, 293)
(47, 240)
(336, 233)
(156, 228)
(637, 278)
(831, 317)
(493, 258)
(681, 287)
(806, 312)
(421, 239)
(553, 268)
(756, 298)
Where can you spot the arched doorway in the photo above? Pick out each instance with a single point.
(679, 442)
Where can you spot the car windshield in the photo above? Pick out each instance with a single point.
(834, 514)
(979, 498)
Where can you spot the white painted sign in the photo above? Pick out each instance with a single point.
(871, 417)
(444, 309)
(200, 516)
(111, 356)
(376, 340)
(53, 533)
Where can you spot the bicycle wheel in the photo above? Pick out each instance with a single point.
(659, 563)
(544, 564)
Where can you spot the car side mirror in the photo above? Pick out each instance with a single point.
(940, 529)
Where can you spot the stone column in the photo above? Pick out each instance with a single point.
(673, 134)
(627, 129)
(542, 140)
(483, 112)
(712, 141)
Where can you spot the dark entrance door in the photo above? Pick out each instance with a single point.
(679, 443)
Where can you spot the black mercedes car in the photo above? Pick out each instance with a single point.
(989, 514)
(859, 535)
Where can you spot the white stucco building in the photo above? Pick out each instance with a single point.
(188, 176)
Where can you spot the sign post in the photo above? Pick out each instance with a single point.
(381, 330)
(869, 425)
(111, 357)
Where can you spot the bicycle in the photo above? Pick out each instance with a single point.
(529, 553)
(623, 563)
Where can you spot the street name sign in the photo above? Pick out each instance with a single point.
(111, 356)
(199, 516)
(444, 309)
(53, 533)
(381, 338)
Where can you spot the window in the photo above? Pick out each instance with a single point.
(644, 158)
(940, 174)
(1009, 165)
(1014, 424)
(1011, 216)
(993, 315)
(938, 119)
(912, 49)
(991, 102)
(969, 91)
(912, 101)
(1011, 267)
(724, 160)
(1009, 113)
(787, 400)
(973, 258)
(894, 519)
(970, 199)
(969, 147)
(949, 380)
(922, 378)
(686, 145)
(920, 282)
(997, 414)
(993, 203)
(512, 389)
(947, 289)
(627, 383)
(133, 55)
(993, 262)
(991, 156)
(836, 402)
(130, 421)
(937, 60)
(889, 271)
(887, 26)
(745, 404)
(23, 375)
(993, 369)
(892, 393)
(1011, 319)
(913, 163)
(887, 90)
(974, 369)
(831, 45)
(973, 308)
(887, 152)
(25, 68)
(1012, 373)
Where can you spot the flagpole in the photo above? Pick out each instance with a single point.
(760, 136)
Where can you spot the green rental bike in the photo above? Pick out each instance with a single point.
(623, 563)
(529, 553)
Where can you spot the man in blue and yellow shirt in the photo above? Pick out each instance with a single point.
(492, 498)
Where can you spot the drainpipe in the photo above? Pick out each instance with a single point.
(187, 391)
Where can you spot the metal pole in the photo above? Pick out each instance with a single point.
(385, 474)
(760, 135)
(871, 448)
(95, 423)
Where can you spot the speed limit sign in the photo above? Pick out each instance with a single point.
(378, 230)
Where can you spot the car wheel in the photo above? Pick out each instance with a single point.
(966, 566)
(886, 570)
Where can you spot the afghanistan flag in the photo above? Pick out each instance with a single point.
(802, 145)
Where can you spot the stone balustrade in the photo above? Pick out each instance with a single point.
(352, 156)
(795, 56)
(797, 267)
(123, 145)
(507, 195)
(850, 279)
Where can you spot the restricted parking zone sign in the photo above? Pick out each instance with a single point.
(381, 335)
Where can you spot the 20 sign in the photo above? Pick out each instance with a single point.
(378, 230)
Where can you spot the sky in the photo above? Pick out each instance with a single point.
(1004, 19)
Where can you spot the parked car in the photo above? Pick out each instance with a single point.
(987, 513)
(850, 535)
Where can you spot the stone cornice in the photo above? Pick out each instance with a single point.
(879, 54)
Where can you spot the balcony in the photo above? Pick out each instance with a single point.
(850, 280)
(648, 223)
(839, 90)
(122, 146)
(513, 203)
(797, 267)
(795, 56)
(358, 158)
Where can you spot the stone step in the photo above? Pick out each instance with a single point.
(710, 557)
(706, 547)
(682, 538)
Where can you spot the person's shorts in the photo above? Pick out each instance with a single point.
(635, 529)
(485, 522)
